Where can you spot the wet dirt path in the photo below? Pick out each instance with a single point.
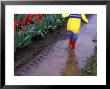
(53, 58)
(85, 46)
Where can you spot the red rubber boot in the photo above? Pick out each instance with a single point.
(72, 43)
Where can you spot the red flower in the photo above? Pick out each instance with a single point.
(38, 17)
(14, 24)
(18, 22)
(28, 22)
(23, 29)
(30, 18)
(38, 20)
(30, 15)
(25, 18)
(23, 22)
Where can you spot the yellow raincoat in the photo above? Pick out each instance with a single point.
(74, 24)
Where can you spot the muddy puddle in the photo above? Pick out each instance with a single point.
(52, 57)
(71, 66)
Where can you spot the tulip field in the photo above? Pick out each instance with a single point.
(27, 26)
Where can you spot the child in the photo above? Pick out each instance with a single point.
(73, 26)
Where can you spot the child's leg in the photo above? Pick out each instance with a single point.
(73, 39)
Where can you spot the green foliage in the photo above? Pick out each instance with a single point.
(18, 16)
(90, 68)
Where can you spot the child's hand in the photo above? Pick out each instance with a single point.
(65, 15)
(84, 18)
(86, 21)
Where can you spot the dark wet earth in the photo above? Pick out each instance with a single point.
(52, 56)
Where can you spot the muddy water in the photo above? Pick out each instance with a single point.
(56, 58)
(71, 67)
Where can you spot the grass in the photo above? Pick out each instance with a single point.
(90, 68)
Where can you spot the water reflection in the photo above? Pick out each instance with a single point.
(71, 67)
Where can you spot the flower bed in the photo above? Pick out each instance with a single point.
(27, 26)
